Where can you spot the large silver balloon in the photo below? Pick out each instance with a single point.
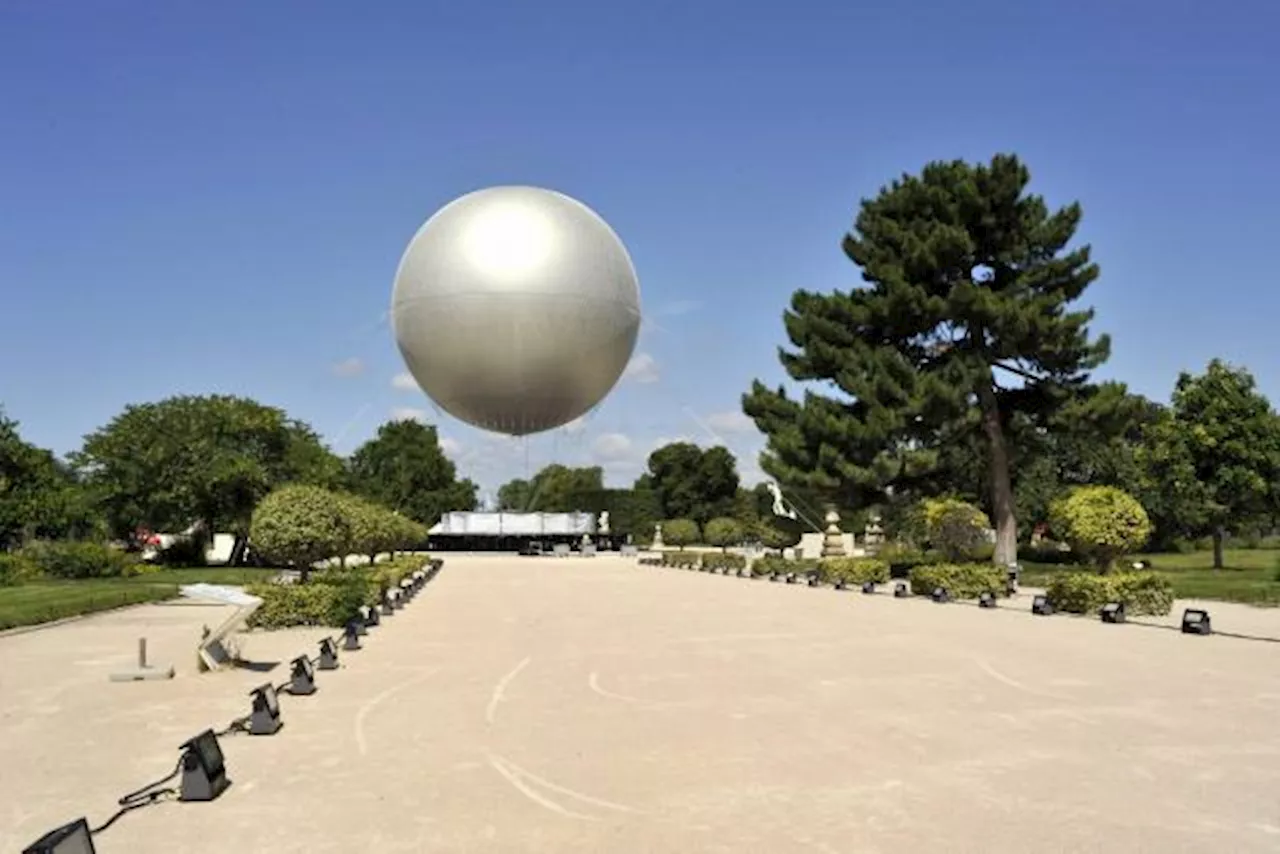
(516, 309)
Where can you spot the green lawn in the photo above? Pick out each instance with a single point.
(1249, 575)
(45, 601)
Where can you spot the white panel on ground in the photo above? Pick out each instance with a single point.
(213, 651)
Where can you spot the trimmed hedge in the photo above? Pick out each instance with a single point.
(853, 570)
(682, 560)
(331, 597)
(723, 561)
(962, 580)
(769, 564)
(76, 560)
(1143, 593)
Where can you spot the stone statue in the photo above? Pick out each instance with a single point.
(657, 536)
(874, 534)
(779, 506)
(602, 524)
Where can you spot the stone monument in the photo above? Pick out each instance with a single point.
(833, 537)
(873, 536)
(602, 524)
(657, 537)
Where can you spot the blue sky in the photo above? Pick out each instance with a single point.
(206, 197)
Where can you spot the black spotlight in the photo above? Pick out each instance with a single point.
(388, 606)
(940, 594)
(1041, 606)
(814, 580)
(328, 654)
(73, 838)
(1011, 587)
(840, 584)
(1112, 612)
(302, 677)
(204, 772)
(742, 572)
(986, 599)
(265, 718)
(369, 616)
(792, 578)
(900, 590)
(775, 576)
(351, 636)
(407, 589)
(868, 587)
(1195, 621)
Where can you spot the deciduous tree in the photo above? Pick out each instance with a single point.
(1217, 457)
(403, 468)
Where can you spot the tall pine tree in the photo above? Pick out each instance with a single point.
(962, 330)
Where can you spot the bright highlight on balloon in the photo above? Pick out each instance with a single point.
(516, 309)
(509, 240)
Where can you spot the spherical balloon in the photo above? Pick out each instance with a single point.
(516, 309)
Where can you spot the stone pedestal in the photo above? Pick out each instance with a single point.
(833, 537)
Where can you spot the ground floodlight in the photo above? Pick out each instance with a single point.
(407, 589)
(840, 584)
(265, 717)
(900, 590)
(742, 572)
(1112, 612)
(940, 594)
(868, 587)
(73, 838)
(986, 599)
(792, 578)
(351, 636)
(1011, 587)
(369, 616)
(302, 677)
(1041, 606)
(328, 654)
(1195, 621)
(814, 580)
(204, 771)
(775, 576)
(388, 604)
(398, 600)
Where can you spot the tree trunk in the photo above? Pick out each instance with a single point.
(1219, 535)
(1006, 521)
(238, 549)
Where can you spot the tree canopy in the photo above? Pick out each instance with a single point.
(197, 460)
(692, 483)
(1216, 457)
(553, 489)
(404, 468)
(964, 327)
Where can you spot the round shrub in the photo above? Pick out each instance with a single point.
(1101, 523)
(779, 534)
(299, 526)
(955, 528)
(723, 532)
(680, 532)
